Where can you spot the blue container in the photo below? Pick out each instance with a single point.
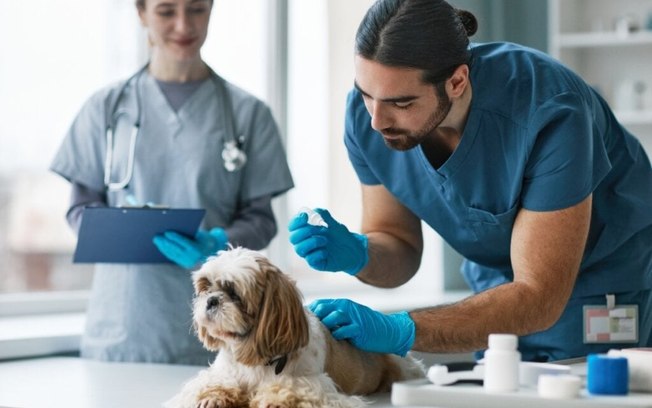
(607, 375)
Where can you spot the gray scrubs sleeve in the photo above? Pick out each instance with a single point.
(81, 155)
(267, 171)
(254, 225)
(81, 197)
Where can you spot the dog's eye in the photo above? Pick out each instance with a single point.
(231, 293)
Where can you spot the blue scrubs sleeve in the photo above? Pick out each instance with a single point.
(569, 157)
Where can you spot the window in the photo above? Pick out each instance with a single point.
(53, 61)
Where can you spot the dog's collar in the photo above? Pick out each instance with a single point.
(280, 362)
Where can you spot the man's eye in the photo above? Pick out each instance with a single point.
(198, 10)
(166, 13)
(402, 105)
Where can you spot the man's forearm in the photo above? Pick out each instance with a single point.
(465, 326)
(392, 262)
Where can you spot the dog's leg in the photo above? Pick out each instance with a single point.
(208, 390)
(303, 392)
(221, 397)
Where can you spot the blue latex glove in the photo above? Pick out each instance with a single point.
(188, 252)
(332, 248)
(365, 328)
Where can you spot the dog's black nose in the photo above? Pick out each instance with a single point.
(212, 302)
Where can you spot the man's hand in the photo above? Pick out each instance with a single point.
(332, 248)
(365, 328)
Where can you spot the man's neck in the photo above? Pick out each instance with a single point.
(456, 118)
(448, 135)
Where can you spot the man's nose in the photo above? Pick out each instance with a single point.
(380, 119)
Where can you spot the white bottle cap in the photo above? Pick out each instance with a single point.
(503, 341)
(562, 386)
(313, 217)
(530, 371)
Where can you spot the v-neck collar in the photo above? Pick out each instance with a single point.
(186, 110)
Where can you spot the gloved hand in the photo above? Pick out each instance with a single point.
(332, 248)
(188, 252)
(365, 328)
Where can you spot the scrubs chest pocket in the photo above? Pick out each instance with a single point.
(494, 229)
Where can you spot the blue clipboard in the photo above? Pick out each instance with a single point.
(124, 235)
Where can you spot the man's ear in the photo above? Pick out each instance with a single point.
(457, 83)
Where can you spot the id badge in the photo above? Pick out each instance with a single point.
(610, 323)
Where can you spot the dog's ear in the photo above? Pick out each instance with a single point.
(282, 325)
(200, 283)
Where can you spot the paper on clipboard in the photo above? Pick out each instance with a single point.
(124, 235)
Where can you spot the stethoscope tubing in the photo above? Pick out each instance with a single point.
(111, 124)
(108, 164)
(232, 154)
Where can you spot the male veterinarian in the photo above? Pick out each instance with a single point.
(517, 163)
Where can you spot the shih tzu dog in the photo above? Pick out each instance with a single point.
(273, 353)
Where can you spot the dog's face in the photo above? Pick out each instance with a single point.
(245, 303)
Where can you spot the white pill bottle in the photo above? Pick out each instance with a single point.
(501, 362)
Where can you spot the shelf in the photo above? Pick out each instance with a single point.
(592, 38)
(642, 117)
(601, 39)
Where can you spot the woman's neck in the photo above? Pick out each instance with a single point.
(175, 71)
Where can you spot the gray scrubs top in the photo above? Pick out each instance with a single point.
(142, 312)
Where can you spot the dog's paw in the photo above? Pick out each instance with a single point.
(209, 403)
(215, 403)
(222, 398)
(271, 401)
(265, 404)
(279, 402)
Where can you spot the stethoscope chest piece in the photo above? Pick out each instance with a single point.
(233, 156)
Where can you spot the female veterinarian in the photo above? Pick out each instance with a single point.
(178, 134)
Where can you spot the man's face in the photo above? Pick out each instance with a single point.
(403, 108)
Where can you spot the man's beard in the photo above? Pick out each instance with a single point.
(406, 140)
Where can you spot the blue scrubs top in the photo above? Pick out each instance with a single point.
(537, 137)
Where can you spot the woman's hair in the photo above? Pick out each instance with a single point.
(140, 4)
(429, 35)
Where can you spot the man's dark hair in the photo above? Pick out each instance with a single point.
(429, 35)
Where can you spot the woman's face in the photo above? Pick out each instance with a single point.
(176, 28)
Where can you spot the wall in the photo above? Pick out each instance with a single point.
(344, 189)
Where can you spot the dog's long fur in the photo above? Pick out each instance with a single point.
(273, 353)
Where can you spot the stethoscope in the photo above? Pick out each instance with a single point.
(232, 154)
